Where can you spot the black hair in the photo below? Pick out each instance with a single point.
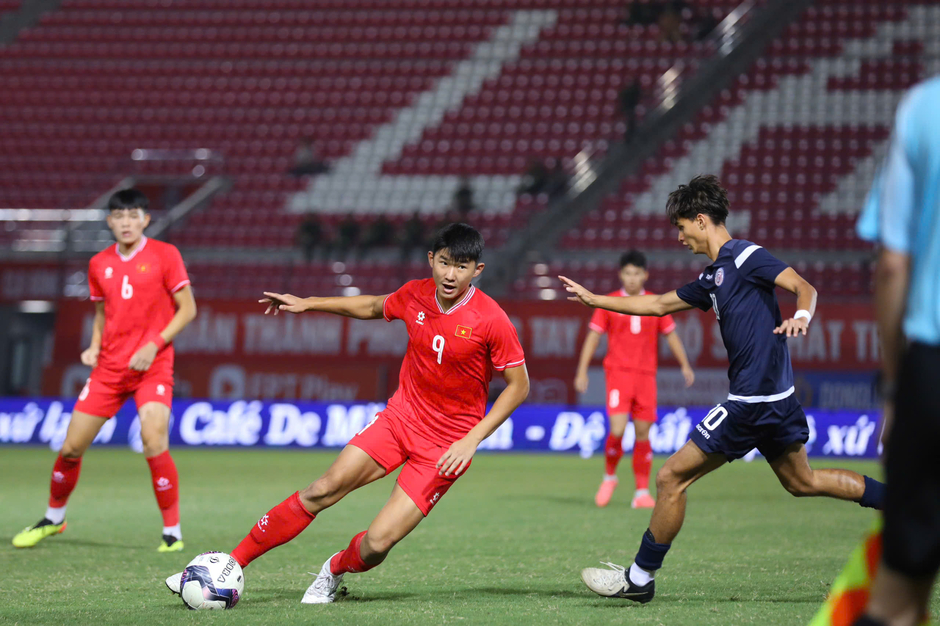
(703, 195)
(633, 257)
(463, 243)
(128, 199)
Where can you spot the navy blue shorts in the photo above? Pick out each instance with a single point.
(735, 428)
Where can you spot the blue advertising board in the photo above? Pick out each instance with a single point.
(317, 425)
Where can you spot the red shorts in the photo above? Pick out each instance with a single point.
(104, 400)
(391, 443)
(633, 393)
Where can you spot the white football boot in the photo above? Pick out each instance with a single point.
(324, 587)
(615, 583)
(173, 582)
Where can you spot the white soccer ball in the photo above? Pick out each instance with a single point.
(213, 580)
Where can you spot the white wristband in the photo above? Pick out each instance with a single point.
(803, 313)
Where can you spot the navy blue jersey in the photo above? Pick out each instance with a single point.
(739, 286)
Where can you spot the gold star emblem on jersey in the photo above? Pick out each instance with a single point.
(464, 331)
(143, 268)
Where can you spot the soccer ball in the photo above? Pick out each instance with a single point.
(213, 580)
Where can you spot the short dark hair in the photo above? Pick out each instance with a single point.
(463, 242)
(128, 199)
(703, 194)
(633, 257)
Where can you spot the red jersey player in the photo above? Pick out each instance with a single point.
(142, 301)
(630, 369)
(432, 424)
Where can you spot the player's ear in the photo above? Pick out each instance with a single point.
(146, 219)
(430, 258)
(479, 269)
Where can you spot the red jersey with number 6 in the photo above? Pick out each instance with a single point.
(137, 291)
(445, 377)
(632, 340)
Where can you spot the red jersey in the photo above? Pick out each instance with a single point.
(137, 291)
(445, 377)
(633, 340)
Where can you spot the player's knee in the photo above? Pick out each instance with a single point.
(667, 482)
(323, 491)
(154, 448)
(155, 441)
(378, 543)
(70, 451)
(800, 487)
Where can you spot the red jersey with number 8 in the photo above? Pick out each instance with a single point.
(446, 373)
(632, 340)
(137, 291)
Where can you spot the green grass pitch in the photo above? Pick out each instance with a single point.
(505, 546)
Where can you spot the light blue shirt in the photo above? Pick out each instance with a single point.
(902, 211)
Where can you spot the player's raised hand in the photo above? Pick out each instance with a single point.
(792, 327)
(282, 302)
(90, 357)
(457, 458)
(581, 294)
(143, 358)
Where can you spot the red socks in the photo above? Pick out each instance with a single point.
(277, 526)
(349, 561)
(642, 463)
(166, 487)
(613, 450)
(64, 478)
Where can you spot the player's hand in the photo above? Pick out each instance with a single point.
(457, 458)
(581, 382)
(90, 357)
(792, 327)
(689, 376)
(143, 358)
(282, 302)
(581, 294)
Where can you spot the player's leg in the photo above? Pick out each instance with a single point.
(418, 489)
(725, 434)
(911, 536)
(636, 583)
(94, 401)
(370, 455)
(352, 469)
(898, 600)
(617, 403)
(785, 452)
(155, 437)
(613, 451)
(644, 416)
(368, 549)
(800, 479)
(642, 465)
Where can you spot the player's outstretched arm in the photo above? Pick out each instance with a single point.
(359, 307)
(633, 305)
(805, 303)
(458, 456)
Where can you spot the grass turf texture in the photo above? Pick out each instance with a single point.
(505, 546)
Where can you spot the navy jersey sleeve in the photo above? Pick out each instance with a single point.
(695, 294)
(759, 267)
